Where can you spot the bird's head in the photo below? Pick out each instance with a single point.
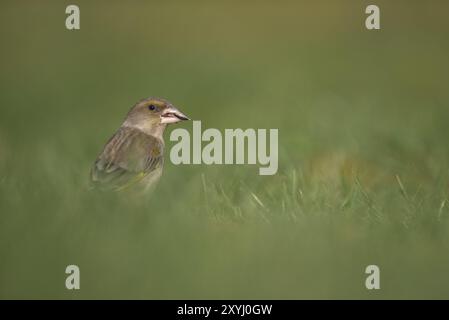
(153, 114)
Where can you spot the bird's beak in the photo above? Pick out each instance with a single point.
(172, 115)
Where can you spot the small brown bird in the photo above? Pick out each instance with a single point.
(133, 156)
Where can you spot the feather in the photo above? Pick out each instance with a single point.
(129, 157)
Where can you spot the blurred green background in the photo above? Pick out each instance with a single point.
(363, 164)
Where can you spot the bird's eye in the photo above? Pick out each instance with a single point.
(152, 107)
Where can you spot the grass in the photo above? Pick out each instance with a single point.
(363, 164)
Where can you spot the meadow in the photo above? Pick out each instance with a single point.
(363, 153)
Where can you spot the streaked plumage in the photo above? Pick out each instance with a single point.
(133, 156)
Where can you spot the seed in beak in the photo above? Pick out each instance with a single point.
(173, 116)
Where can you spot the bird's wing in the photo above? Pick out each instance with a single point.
(129, 156)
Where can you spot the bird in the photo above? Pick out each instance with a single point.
(133, 158)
